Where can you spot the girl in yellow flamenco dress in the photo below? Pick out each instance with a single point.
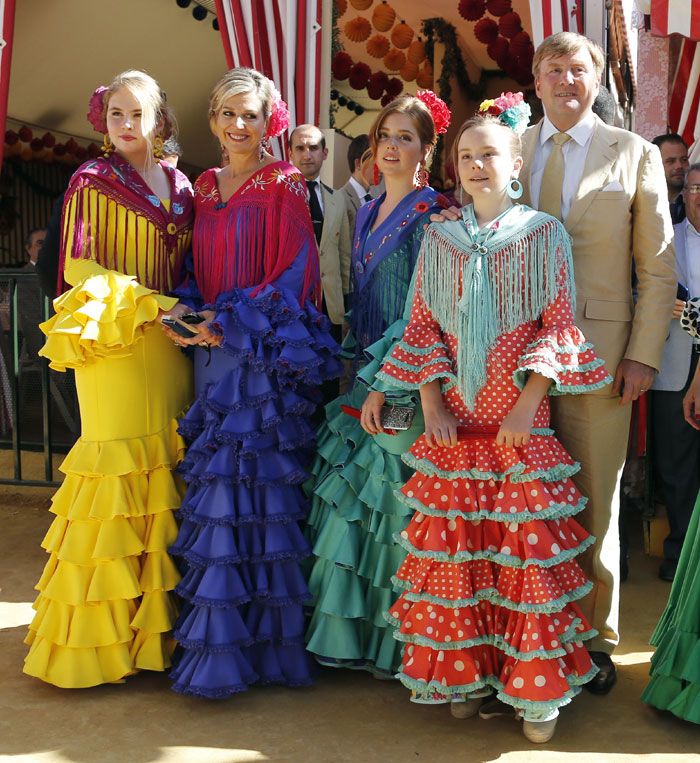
(105, 607)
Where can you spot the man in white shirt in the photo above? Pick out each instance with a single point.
(610, 193)
(356, 190)
(675, 444)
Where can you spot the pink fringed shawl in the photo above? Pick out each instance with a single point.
(256, 235)
(96, 231)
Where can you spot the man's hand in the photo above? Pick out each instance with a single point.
(632, 379)
(678, 309)
(451, 213)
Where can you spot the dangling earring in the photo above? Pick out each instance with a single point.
(107, 146)
(264, 147)
(422, 177)
(375, 175)
(158, 144)
(514, 189)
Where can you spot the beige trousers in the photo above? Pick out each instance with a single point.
(595, 430)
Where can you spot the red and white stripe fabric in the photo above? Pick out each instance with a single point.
(281, 39)
(684, 103)
(679, 16)
(552, 16)
(7, 26)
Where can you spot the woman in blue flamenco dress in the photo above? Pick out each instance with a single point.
(354, 513)
(255, 281)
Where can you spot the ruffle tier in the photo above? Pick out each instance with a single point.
(354, 518)
(103, 316)
(675, 667)
(240, 544)
(490, 582)
(105, 608)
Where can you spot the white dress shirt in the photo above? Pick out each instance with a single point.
(692, 255)
(359, 190)
(574, 150)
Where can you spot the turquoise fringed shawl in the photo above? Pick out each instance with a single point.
(480, 284)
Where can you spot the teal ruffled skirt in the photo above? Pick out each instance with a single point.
(353, 520)
(675, 666)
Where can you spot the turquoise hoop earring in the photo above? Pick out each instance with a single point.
(514, 189)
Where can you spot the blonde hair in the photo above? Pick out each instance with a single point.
(237, 81)
(151, 98)
(566, 43)
(416, 110)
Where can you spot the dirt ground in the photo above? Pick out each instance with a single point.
(346, 716)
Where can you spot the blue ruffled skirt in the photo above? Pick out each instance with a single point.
(240, 545)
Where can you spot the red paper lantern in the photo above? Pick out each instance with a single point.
(394, 87)
(48, 140)
(341, 66)
(36, 144)
(416, 52)
(59, 150)
(359, 76)
(498, 7)
(521, 46)
(401, 35)
(11, 138)
(386, 99)
(409, 71)
(81, 153)
(509, 25)
(375, 89)
(357, 29)
(498, 48)
(71, 146)
(342, 6)
(361, 5)
(486, 30)
(472, 10)
(383, 17)
(394, 60)
(25, 134)
(378, 46)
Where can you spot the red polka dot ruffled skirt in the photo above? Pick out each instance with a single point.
(490, 582)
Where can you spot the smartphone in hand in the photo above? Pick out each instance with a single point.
(184, 325)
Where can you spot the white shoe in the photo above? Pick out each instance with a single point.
(539, 732)
(466, 708)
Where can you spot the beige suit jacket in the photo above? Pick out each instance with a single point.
(334, 253)
(611, 230)
(352, 203)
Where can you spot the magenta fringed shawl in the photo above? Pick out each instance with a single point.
(256, 235)
(159, 266)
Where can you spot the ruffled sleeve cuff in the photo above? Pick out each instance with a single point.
(411, 365)
(276, 334)
(377, 354)
(103, 315)
(565, 357)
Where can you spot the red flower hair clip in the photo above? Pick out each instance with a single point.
(96, 109)
(279, 117)
(437, 108)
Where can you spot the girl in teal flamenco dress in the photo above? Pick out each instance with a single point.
(354, 513)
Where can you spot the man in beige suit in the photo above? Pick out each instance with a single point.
(607, 185)
(356, 190)
(330, 220)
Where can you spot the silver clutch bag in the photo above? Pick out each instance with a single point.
(398, 417)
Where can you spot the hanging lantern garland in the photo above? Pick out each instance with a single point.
(23, 144)
(507, 43)
(199, 12)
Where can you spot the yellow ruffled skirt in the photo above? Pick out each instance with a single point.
(105, 607)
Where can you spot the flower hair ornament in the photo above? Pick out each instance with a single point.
(96, 109)
(437, 108)
(510, 109)
(279, 117)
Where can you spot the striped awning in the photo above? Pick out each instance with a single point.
(551, 16)
(675, 16)
(7, 26)
(281, 39)
(684, 103)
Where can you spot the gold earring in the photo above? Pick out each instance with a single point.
(158, 144)
(107, 146)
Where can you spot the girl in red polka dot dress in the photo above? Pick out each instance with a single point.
(490, 582)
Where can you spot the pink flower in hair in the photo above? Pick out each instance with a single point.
(279, 117)
(96, 108)
(438, 110)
